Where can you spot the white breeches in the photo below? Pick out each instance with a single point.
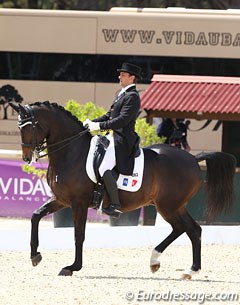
(109, 160)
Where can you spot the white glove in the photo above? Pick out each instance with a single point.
(86, 122)
(92, 126)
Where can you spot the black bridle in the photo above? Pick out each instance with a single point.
(37, 147)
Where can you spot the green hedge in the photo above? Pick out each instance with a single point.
(90, 111)
(146, 132)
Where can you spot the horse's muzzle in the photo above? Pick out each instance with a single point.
(26, 159)
(27, 155)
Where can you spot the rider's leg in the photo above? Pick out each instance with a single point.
(112, 190)
(109, 161)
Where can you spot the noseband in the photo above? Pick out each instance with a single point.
(37, 148)
(29, 119)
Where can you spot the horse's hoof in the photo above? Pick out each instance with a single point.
(186, 276)
(155, 267)
(36, 259)
(65, 272)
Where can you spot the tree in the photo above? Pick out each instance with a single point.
(8, 94)
(224, 4)
(105, 5)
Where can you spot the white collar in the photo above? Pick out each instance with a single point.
(125, 89)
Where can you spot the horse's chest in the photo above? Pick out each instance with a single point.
(59, 184)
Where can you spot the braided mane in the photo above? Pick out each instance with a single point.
(56, 106)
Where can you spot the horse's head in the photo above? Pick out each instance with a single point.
(32, 134)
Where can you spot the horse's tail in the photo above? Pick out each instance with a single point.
(219, 182)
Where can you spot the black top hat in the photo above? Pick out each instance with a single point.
(131, 69)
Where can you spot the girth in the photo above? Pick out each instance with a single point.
(102, 145)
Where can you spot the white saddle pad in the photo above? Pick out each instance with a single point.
(127, 183)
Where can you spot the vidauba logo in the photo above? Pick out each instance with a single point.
(21, 188)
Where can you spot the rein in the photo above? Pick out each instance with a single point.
(72, 138)
(29, 119)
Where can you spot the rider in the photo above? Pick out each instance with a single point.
(119, 121)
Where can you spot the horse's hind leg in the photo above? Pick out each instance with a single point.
(181, 222)
(177, 230)
(49, 207)
(194, 231)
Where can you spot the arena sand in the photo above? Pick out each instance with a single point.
(122, 276)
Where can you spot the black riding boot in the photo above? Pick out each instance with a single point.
(112, 190)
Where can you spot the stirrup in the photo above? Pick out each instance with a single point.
(112, 210)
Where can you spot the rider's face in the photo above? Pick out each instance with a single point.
(126, 79)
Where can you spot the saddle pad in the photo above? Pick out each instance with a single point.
(126, 183)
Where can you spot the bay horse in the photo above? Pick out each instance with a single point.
(171, 178)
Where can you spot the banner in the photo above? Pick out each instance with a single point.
(20, 193)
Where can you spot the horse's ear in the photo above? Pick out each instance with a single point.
(22, 111)
(15, 107)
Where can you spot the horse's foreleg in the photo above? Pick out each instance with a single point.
(49, 207)
(80, 218)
